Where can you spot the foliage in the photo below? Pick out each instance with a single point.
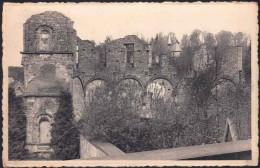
(64, 133)
(16, 127)
(200, 119)
(160, 43)
(114, 121)
(101, 48)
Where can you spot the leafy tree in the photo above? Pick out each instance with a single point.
(210, 40)
(160, 43)
(240, 39)
(16, 127)
(184, 63)
(194, 40)
(64, 133)
(224, 39)
(185, 42)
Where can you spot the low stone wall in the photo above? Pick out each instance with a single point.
(93, 149)
(234, 150)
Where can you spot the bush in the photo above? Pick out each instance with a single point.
(114, 118)
(16, 127)
(110, 118)
(64, 133)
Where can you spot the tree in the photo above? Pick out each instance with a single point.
(185, 42)
(194, 40)
(16, 127)
(210, 41)
(224, 39)
(64, 133)
(108, 40)
(184, 62)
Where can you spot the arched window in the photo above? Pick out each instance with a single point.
(44, 131)
(45, 40)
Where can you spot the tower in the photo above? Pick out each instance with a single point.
(47, 58)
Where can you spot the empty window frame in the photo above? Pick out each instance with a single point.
(44, 40)
(130, 54)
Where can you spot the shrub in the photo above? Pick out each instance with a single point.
(114, 118)
(64, 133)
(16, 127)
(108, 119)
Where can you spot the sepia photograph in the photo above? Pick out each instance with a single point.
(130, 84)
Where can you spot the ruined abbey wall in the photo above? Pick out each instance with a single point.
(48, 62)
(55, 59)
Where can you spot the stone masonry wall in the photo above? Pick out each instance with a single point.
(47, 73)
(116, 69)
(88, 58)
(78, 99)
(36, 109)
(48, 59)
(232, 63)
(63, 36)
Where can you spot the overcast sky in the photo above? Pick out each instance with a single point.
(96, 21)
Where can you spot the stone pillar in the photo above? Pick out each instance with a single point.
(150, 56)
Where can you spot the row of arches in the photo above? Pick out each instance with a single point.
(141, 94)
(132, 79)
(130, 92)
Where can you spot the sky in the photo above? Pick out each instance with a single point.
(96, 21)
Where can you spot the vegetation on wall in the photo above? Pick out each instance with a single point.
(200, 119)
(16, 127)
(64, 133)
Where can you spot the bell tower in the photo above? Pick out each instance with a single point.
(48, 59)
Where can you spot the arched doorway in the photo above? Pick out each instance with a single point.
(159, 97)
(128, 95)
(44, 131)
(94, 91)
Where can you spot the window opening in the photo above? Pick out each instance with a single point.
(130, 54)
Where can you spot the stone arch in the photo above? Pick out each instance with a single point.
(158, 77)
(129, 92)
(96, 78)
(158, 94)
(43, 114)
(225, 87)
(77, 78)
(92, 87)
(227, 80)
(44, 40)
(43, 123)
(133, 78)
(180, 92)
(161, 87)
(223, 100)
(78, 97)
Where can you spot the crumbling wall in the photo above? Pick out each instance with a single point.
(63, 35)
(78, 99)
(47, 73)
(88, 58)
(48, 58)
(232, 63)
(37, 108)
(116, 57)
